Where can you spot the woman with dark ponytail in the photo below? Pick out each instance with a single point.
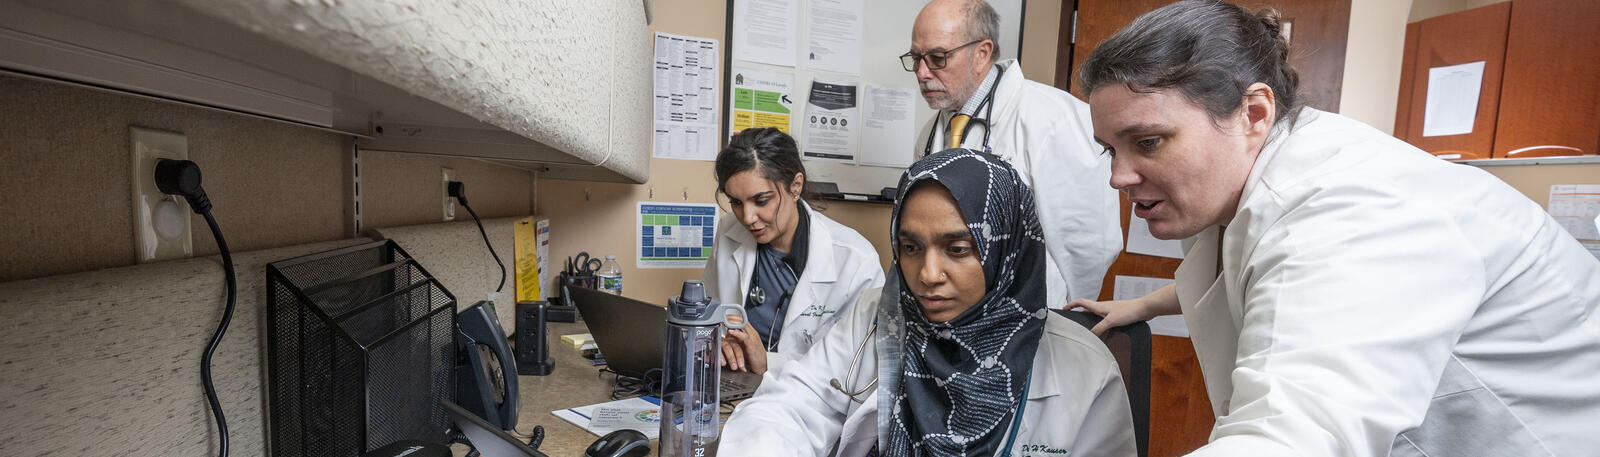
(794, 269)
(1347, 294)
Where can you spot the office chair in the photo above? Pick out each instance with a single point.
(1130, 344)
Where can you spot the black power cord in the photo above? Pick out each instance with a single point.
(459, 191)
(182, 177)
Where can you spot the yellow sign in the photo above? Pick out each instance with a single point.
(526, 240)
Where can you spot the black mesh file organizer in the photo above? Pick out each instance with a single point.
(359, 352)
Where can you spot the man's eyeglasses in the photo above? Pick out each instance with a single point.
(935, 60)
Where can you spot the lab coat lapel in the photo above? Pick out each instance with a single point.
(744, 257)
(820, 273)
(1210, 308)
(1007, 90)
(1213, 323)
(1047, 383)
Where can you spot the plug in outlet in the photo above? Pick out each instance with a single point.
(160, 222)
(444, 189)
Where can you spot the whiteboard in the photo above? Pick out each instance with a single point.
(886, 34)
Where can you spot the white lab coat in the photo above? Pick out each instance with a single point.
(1045, 133)
(1375, 300)
(840, 264)
(1076, 401)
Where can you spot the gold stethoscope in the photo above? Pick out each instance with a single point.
(855, 361)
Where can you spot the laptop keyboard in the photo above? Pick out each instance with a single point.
(733, 389)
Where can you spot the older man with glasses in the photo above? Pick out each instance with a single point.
(1042, 131)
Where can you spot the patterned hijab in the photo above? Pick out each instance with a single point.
(963, 380)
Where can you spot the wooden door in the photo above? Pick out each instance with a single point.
(1551, 92)
(1473, 35)
(1319, 34)
(1180, 412)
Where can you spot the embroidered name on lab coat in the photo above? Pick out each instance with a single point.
(817, 310)
(1030, 450)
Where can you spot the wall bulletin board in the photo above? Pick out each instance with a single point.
(828, 72)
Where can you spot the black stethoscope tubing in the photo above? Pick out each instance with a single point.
(987, 105)
(758, 294)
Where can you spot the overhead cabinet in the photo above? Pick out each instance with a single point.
(1539, 93)
(558, 85)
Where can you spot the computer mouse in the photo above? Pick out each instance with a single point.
(621, 443)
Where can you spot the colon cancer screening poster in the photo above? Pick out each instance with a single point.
(675, 235)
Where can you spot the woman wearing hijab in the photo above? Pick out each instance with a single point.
(958, 352)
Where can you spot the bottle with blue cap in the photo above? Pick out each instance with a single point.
(691, 373)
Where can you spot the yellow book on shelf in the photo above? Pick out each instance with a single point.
(525, 240)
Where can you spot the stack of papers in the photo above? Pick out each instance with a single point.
(639, 413)
(580, 341)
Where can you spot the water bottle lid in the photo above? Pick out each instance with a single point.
(611, 257)
(692, 307)
(693, 291)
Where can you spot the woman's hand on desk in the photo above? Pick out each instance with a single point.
(742, 350)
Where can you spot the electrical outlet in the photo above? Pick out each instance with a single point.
(160, 222)
(449, 203)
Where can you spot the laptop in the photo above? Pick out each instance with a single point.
(630, 334)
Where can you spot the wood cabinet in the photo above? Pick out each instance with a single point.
(1454, 39)
(1550, 95)
(1540, 94)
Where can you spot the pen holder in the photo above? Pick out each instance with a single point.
(579, 280)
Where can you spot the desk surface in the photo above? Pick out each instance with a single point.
(574, 382)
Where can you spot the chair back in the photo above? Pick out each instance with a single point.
(1130, 344)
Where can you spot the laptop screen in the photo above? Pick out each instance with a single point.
(629, 332)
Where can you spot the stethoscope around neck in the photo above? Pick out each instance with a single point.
(759, 295)
(987, 106)
(855, 361)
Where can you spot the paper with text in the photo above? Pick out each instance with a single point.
(1140, 241)
(833, 36)
(1452, 104)
(831, 122)
(888, 125)
(761, 99)
(1577, 208)
(765, 31)
(685, 97)
(1131, 287)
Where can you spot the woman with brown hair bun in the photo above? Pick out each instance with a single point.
(1347, 294)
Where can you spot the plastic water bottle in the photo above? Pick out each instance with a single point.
(610, 275)
(691, 373)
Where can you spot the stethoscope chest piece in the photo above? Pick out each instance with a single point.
(757, 296)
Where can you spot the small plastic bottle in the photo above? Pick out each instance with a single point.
(610, 275)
